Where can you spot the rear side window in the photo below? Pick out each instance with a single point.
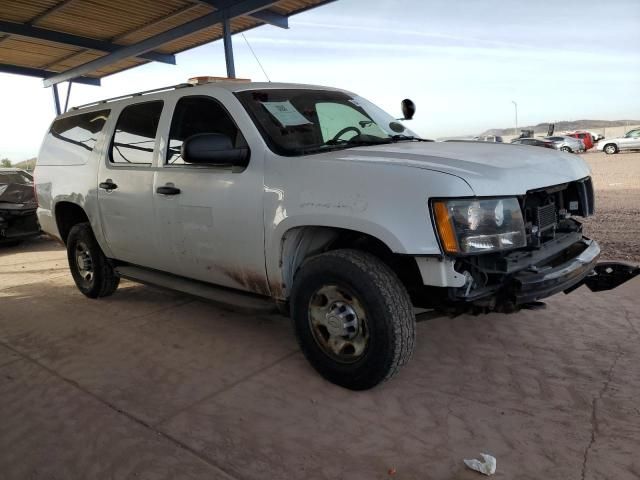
(80, 130)
(71, 140)
(194, 115)
(15, 177)
(135, 135)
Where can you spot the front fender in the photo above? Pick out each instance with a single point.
(389, 202)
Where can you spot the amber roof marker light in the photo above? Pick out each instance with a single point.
(445, 227)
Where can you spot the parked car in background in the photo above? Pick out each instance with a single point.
(596, 136)
(630, 141)
(567, 144)
(534, 142)
(490, 138)
(18, 206)
(584, 136)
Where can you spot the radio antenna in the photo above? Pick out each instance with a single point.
(256, 57)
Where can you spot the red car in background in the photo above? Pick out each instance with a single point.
(584, 136)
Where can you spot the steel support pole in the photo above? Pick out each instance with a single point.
(66, 100)
(56, 98)
(228, 47)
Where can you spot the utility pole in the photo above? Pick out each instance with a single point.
(515, 104)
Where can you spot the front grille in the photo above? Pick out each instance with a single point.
(551, 210)
(546, 217)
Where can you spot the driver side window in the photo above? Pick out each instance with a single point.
(334, 117)
(634, 134)
(194, 115)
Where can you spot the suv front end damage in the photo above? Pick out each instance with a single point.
(18, 206)
(553, 255)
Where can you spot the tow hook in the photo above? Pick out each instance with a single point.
(608, 275)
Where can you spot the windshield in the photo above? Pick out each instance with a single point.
(298, 122)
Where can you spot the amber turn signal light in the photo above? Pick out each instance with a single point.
(445, 227)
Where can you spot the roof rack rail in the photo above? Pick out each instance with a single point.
(131, 95)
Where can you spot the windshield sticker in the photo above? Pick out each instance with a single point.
(285, 113)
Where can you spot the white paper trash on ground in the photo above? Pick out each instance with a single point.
(487, 466)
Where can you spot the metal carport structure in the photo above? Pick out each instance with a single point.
(82, 41)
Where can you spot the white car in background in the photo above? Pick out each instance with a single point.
(630, 141)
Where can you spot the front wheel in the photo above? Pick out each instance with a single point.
(610, 149)
(93, 274)
(565, 149)
(353, 318)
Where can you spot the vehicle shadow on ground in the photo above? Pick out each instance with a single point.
(36, 244)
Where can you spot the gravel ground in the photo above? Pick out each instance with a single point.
(616, 224)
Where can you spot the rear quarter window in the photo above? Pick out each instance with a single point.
(72, 139)
(20, 178)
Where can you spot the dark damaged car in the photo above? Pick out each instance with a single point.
(18, 207)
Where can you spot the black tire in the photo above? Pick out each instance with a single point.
(566, 149)
(389, 321)
(610, 148)
(102, 280)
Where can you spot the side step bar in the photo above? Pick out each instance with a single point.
(226, 298)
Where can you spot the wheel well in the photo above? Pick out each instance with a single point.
(612, 144)
(67, 215)
(301, 243)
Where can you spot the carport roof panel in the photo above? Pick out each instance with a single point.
(115, 23)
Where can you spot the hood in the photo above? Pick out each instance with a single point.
(489, 168)
(17, 193)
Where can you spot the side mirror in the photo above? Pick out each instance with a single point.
(408, 109)
(213, 149)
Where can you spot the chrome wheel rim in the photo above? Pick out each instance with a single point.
(338, 323)
(84, 262)
(609, 149)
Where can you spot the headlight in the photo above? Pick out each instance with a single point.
(479, 225)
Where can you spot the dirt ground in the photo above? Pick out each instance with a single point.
(150, 384)
(616, 225)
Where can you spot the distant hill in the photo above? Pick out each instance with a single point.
(565, 125)
(28, 165)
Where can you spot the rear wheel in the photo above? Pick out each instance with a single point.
(93, 274)
(353, 318)
(610, 149)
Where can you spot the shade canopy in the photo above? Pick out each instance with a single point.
(85, 40)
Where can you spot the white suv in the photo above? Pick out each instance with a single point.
(629, 141)
(317, 199)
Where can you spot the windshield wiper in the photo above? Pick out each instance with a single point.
(343, 144)
(357, 142)
(397, 138)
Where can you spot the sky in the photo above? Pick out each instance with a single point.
(461, 62)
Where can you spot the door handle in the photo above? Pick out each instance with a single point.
(168, 190)
(108, 185)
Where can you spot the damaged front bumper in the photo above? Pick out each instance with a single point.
(18, 223)
(609, 275)
(529, 279)
(536, 283)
